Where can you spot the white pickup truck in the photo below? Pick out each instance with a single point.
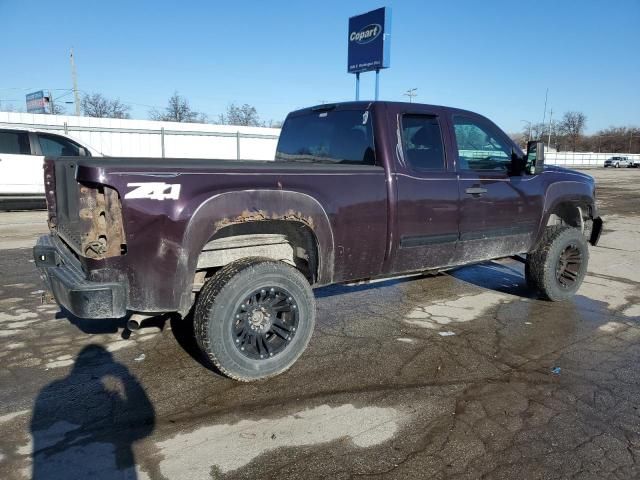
(22, 153)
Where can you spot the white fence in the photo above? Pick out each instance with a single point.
(580, 159)
(146, 138)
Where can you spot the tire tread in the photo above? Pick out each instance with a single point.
(537, 268)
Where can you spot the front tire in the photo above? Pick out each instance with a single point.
(559, 264)
(254, 318)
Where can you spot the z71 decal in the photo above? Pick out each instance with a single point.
(154, 191)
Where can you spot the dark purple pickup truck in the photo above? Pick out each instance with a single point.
(358, 191)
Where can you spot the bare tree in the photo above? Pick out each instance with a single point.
(11, 107)
(96, 105)
(245, 115)
(534, 130)
(58, 109)
(571, 126)
(520, 138)
(178, 110)
(273, 124)
(614, 140)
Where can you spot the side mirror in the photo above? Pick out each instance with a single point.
(535, 157)
(518, 164)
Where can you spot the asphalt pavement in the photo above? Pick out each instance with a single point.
(460, 375)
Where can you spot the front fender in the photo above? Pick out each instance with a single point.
(561, 193)
(236, 207)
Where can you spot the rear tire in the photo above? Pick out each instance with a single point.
(559, 264)
(254, 318)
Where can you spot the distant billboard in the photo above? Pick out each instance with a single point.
(39, 102)
(369, 41)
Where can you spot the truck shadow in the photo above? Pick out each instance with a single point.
(110, 325)
(497, 276)
(182, 329)
(92, 326)
(85, 425)
(507, 277)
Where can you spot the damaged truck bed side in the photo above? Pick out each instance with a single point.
(358, 191)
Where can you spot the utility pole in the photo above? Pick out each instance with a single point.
(544, 115)
(550, 117)
(53, 108)
(74, 76)
(411, 93)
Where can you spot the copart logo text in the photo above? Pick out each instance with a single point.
(366, 35)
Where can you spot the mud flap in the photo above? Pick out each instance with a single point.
(596, 231)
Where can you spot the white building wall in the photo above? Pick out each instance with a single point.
(143, 138)
(582, 159)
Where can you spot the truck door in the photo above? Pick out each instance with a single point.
(427, 196)
(20, 171)
(499, 213)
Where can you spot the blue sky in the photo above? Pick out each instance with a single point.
(493, 57)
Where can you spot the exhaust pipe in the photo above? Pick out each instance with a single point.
(133, 325)
(135, 321)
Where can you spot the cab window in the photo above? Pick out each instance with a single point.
(422, 142)
(480, 146)
(342, 136)
(14, 143)
(54, 146)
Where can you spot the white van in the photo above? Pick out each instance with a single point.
(22, 152)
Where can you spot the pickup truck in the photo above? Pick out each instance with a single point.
(358, 191)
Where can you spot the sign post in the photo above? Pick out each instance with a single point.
(369, 44)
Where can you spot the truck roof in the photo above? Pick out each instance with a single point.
(364, 104)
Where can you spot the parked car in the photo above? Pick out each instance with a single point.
(358, 191)
(22, 152)
(617, 162)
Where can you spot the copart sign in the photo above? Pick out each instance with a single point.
(369, 41)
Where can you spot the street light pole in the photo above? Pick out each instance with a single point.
(549, 140)
(544, 115)
(411, 93)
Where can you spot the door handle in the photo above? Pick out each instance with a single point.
(476, 191)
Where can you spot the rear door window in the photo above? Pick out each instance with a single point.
(343, 136)
(14, 143)
(54, 146)
(422, 142)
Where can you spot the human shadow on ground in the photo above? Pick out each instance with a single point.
(84, 425)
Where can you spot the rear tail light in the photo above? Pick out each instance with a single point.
(50, 192)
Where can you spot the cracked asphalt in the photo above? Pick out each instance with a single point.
(459, 375)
